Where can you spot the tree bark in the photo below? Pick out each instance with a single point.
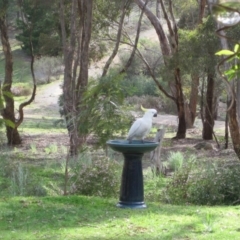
(181, 132)
(208, 123)
(163, 40)
(76, 61)
(234, 128)
(191, 107)
(8, 112)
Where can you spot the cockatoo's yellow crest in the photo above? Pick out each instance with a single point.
(144, 109)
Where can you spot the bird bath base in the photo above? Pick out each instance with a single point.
(132, 191)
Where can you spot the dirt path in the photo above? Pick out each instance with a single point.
(46, 101)
(46, 104)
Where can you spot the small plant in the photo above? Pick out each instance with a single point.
(153, 186)
(19, 181)
(46, 68)
(204, 183)
(21, 89)
(23, 184)
(175, 160)
(101, 178)
(33, 148)
(52, 148)
(208, 222)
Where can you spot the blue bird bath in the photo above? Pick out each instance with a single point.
(132, 191)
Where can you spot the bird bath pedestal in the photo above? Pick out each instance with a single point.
(131, 192)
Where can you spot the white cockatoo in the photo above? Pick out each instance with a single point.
(142, 126)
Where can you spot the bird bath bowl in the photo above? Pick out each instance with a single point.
(131, 191)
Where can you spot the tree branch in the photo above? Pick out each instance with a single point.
(24, 104)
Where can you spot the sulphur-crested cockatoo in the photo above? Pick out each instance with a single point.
(142, 126)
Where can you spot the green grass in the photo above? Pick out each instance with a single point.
(38, 124)
(21, 65)
(79, 217)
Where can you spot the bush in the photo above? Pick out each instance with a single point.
(101, 178)
(153, 184)
(46, 68)
(204, 183)
(139, 85)
(175, 160)
(215, 186)
(21, 89)
(146, 101)
(103, 113)
(175, 191)
(17, 180)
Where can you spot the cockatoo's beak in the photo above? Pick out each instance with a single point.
(144, 109)
(155, 115)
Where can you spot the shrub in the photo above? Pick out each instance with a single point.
(153, 184)
(101, 178)
(139, 85)
(21, 89)
(175, 160)
(17, 180)
(46, 68)
(103, 113)
(215, 185)
(146, 101)
(204, 183)
(175, 191)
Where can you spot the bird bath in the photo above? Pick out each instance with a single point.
(131, 191)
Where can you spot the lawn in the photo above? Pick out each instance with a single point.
(81, 217)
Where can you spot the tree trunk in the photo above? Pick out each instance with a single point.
(76, 69)
(208, 123)
(238, 99)
(158, 9)
(234, 128)
(191, 108)
(181, 132)
(8, 112)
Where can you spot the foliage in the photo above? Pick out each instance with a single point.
(40, 20)
(205, 184)
(102, 113)
(16, 180)
(175, 191)
(21, 89)
(189, 16)
(147, 101)
(234, 58)
(47, 67)
(139, 85)
(150, 51)
(101, 178)
(175, 160)
(153, 184)
(197, 48)
(215, 185)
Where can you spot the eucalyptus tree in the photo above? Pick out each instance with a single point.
(169, 46)
(45, 34)
(82, 22)
(228, 15)
(7, 106)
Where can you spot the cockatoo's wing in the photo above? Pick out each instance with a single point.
(138, 129)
